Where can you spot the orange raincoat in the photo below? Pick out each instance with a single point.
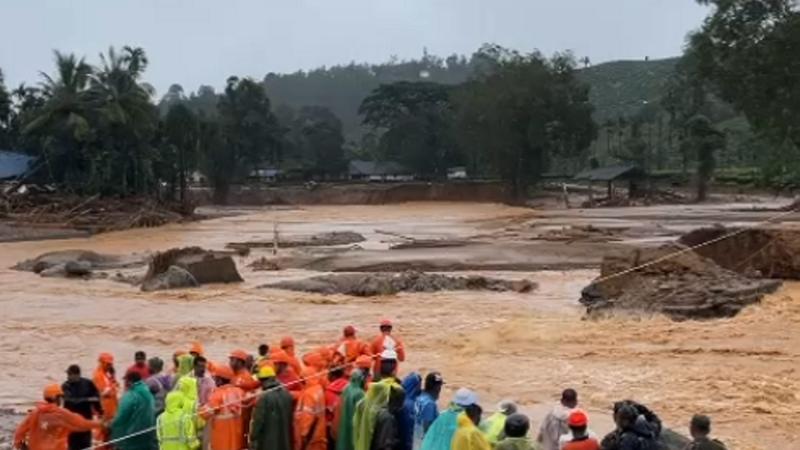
(287, 344)
(387, 342)
(108, 388)
(309, 418)
(224, 415)
(48, 426)
(349, 349)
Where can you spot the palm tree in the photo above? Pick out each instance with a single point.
(63, 120)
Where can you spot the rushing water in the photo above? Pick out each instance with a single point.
(527, 347)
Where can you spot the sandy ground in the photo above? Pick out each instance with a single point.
(528, 347)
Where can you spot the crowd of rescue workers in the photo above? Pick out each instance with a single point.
(343, 397)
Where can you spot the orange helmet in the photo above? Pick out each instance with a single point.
(239, 354)
(386, 322)
(224, 372)
(363, 362)
(578, 418)
(51, 391)
(106, 358)
(197, 347)
(287, 341)
(279, 356)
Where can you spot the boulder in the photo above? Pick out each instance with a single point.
(81, 259)
(78, 268)
(173, 278)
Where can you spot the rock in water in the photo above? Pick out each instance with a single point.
(174, 278)
(683, 286)
(78, 268)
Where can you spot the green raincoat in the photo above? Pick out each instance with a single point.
(350, 398)
(136, 413)
(271, 426)
(440, 434)
(175, 427)
(367, 413)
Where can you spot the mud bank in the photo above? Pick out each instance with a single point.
(679, 285)
(371, 285)
(318, 240)
(361, 194)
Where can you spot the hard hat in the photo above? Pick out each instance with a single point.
(239, 354)
(221, 371)
(279, 356)
(52, 391)
(197, 348)
(386, 323)
(287, 341)
(349, 330)
(106, 358)
(578, 418)
(266, 372)
(363, 362)
(465, 397)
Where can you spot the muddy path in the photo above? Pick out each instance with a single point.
(742, 371)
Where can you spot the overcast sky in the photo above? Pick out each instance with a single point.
(195, 42)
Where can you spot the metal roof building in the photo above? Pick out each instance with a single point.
(14, 164)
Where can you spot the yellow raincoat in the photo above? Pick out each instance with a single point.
(175, 427)
(468, 436)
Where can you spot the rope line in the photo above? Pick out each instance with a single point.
(249, 397)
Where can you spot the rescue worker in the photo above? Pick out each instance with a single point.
(106, 383)
(387, 433)
(386, 341)
(494, 426)
(287, 345)
(81, 397)
(440, 434)
(271, 428)
(263, 357)
(469, 436)
(197, 349)
(242, 377)
(579, 438)
(366, 414)
(140, 365)
(412, 386)
(333, 396)
(426, 407)
(309, 418)
(223, 413)
(286, 375)
(554, 424)
(349, 348)
(160, 383)
(175, 428)
(135, 415)
(516, 434)
(343, 421)
(700, 429)
(47, 426)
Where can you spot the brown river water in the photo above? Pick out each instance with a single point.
(527, 347)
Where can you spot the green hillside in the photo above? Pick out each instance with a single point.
(621, 88)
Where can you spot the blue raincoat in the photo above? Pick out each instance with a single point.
(412, 385)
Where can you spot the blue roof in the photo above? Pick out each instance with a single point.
(13, 164)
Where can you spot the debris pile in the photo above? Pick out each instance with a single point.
(189, 267)
(317, 240)
(762, 252)
(94, 214)
(685, 286)
(375, 284)
(263, 264)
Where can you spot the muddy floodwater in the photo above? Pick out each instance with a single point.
(743, 371)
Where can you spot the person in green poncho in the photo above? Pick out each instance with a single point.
(353, 393)
(136, 418)
(440, 434)
(366, 414)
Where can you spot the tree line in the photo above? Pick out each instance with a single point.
(500, 113)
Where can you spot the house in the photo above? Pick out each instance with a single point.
(457, 173)
(270, 174)
(610, 175)
(378, 171)
(14, 164)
